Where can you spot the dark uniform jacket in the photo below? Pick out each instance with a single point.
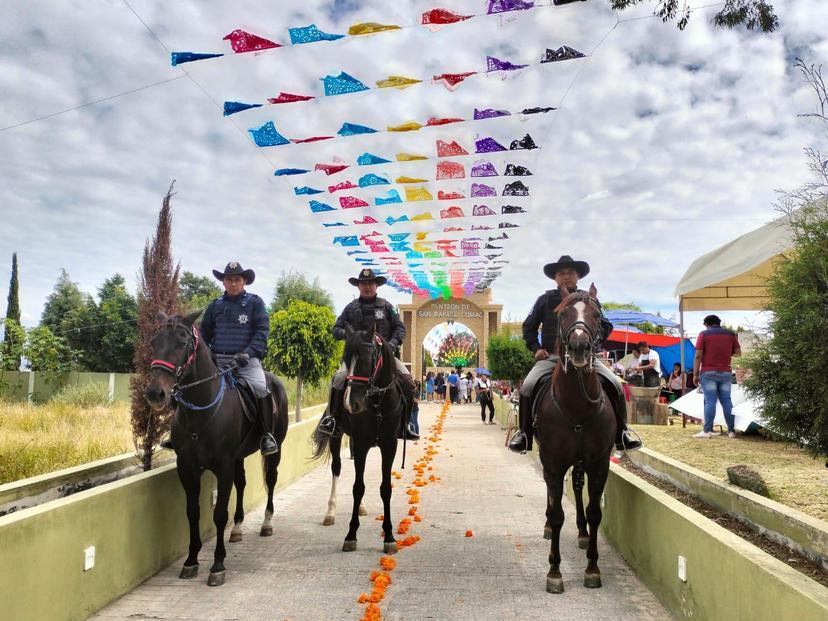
(236, 324)
(362, 314)
(543, 313)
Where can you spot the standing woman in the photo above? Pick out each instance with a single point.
(484, 392)
(429, 387)
(440, 387)
(470, 386)
(462, 389)
(676, 384)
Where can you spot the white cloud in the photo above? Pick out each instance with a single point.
(669, 144)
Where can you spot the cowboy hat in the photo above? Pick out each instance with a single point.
(234, 268)
(582, 267)
(367, 275)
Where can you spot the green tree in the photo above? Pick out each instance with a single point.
(71, 314)
(509, 358)
(117, 319)
(295, 286)
(47, 352)
(620, 306)
(197, 292)
(11, 349)
(753, 14)
(301, 345)
(65, 298)
(13, 300)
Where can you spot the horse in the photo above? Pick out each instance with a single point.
(374, 407)
(575, 427)
(210, 431)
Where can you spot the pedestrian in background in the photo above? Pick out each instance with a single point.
(429, 387)
(414, 419)
(715, 348)
(676, 383)
(484, 393)
(453, 378)
(462, 389)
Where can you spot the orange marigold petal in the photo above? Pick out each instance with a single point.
(469, 533)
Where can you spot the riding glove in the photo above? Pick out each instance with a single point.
(241, 359)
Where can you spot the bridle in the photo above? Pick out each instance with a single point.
(564, 336)
(178, 373)
(377, 363)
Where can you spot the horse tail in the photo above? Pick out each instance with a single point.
(321, 443)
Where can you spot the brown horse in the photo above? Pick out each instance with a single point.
(575, 428)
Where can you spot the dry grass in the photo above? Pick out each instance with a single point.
(42, 438)
(794, 479)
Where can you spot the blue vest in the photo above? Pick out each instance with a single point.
(233, 325)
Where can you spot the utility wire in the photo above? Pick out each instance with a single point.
(91, 103)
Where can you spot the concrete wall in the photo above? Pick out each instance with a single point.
(39, 386)
(727, 577)
(137, 526)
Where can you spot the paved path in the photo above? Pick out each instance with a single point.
(300, 574)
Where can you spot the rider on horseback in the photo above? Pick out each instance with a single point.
(566, 273)
(235, 327)
(368, 312)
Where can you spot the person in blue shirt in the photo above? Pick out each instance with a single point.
(235, 326)
(453, 378)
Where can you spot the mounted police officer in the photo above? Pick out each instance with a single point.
(565, 272)
(236, 326)
(367, 312)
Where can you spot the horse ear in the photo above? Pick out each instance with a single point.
(161, 317)
(191, 317)
(593, 291)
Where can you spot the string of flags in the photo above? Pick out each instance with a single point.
(446, 233)
(243, 42)
(344, 83)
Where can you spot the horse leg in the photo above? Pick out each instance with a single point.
(555, 518)
(360, 453)
(595, 487)
(191, 481)
(225, 484)
(580, 518)
(271, 472)
(238, 517)
(389, 451)
(336, 470)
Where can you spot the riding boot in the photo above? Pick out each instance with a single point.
(268, 445)
(624, 439)
(328, 423)
(166, 443)
(522, 440)
(406, 429)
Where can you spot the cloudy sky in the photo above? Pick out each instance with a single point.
(667, 145)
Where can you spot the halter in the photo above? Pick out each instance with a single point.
(178, 371)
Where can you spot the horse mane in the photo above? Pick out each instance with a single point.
(572, 298)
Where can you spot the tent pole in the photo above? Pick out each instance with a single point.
(681, 339)
(626, 337)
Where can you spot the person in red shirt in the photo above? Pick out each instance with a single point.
(715, 347)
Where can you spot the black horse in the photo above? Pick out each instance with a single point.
(575, 427)
(210, 431)
(374, 407)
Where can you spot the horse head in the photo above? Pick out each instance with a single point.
(579, 320)
(173, 348)
(363, 359)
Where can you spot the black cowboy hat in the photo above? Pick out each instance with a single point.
(582, 267)
(234, 268)
(367, 275)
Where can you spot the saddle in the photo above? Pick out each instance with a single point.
(247, 398)
(544, 385)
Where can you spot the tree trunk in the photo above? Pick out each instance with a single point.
(299, 398)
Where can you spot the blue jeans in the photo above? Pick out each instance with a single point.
(716, 385)
(414, 419)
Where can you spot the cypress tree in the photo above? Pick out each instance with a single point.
(13, 308)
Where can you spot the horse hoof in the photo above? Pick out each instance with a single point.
(188, 571)
(547, 533)
(554, 585)
(592, 581)
(266, 531)
(235, 537)
(329, 520)
(583, 543)
(389, 547)
(363, 511)
(349, 546)
(216, 578)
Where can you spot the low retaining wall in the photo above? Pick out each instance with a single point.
(137, 526)
(794, 529)
(727, 577)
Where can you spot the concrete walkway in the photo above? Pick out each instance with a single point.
(300, 574)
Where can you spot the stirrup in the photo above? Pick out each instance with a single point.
(268, 445)
(632, 445)
(327, 425)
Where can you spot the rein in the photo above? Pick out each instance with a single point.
(373, 389)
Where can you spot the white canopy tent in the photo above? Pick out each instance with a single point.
(733, 276)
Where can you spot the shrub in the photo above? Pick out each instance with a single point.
(82, 395)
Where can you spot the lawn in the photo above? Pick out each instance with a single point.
(794, 478)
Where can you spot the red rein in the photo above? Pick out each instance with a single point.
(360, 378)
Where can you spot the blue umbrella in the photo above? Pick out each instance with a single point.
(482, 371)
